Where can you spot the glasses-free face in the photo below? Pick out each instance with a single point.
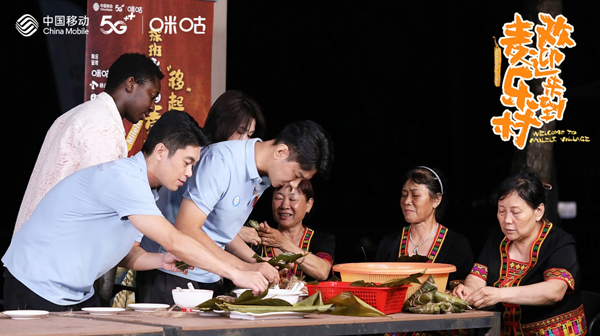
(518, 221)
(174, 170)
(290, 206)
(141, 99)
(244, 133)
(416, 203)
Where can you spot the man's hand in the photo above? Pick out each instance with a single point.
(269, 272)
(250, 280)
(168, 261)
(249, 235)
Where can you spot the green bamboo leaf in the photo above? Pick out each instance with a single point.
(272, 309)
(429, 308)
(313, 300)
(248, 298)
(209, 304)
(362, 283)
(258, 258)
(253, 224)
(347, 304)
(413, 278)
(182, 266)
(284, 259)
(281, 260)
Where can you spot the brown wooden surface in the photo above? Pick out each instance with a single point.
(132, 323)
(193, 322)
(58, 325)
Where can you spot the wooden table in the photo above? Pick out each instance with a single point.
(136, 323)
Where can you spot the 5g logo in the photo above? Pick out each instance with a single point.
(118, 27)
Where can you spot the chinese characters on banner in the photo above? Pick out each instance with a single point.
(528, 61)
(177, 35)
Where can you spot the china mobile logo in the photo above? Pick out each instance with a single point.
(27, 25)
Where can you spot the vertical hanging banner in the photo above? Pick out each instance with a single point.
(177, 35)
(528, 60)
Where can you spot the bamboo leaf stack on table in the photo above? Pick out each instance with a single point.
(343, 304)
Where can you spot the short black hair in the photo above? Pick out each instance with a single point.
(135, 65)
(309, 145)
(232, 110)
(176, 130)
(527, 185)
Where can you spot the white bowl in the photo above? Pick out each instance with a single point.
(187, 298)
(283, 294)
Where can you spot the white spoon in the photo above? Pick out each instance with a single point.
(190, 286)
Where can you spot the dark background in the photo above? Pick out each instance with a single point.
(396, 83)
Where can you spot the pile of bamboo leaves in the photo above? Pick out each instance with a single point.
(429, 300)
(343, 304)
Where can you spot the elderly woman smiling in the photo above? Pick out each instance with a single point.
(529, 269)
(290, 206)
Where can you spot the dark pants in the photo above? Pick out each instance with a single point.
(155, 286)
(17, 297)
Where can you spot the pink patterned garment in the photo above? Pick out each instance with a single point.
(86, 135)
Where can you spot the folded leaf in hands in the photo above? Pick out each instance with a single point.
(281, 260)
(248, 298)
(182, 266)
(253, 224)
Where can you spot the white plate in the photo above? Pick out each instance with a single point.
(25, 314)
(103, 310)
(147, 307)
(266, 316)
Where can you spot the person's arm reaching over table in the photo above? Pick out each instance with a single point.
(190, 220)
(193, 252)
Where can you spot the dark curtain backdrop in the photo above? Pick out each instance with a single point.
(397, 84)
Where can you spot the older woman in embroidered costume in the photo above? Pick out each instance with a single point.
(421, 201)
(529, 270)
(290, 206)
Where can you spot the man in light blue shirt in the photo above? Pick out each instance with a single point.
(213, 205)
(88, 223)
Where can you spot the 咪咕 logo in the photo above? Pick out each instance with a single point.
(27, 25)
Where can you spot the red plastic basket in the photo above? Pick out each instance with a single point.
(388, 300)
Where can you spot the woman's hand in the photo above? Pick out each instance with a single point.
(272, 237)
(484, 297)
(461, 291)
(249, 235)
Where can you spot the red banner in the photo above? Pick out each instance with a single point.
(177, 35)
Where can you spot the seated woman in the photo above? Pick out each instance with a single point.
(421, 202)
(290, 206)
(529, 270)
